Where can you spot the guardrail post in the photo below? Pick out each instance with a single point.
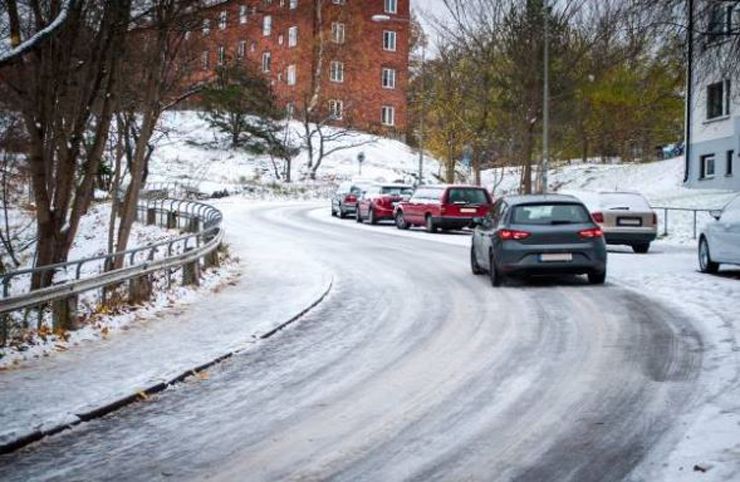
(171, 220)
(151, 216)
(139, 289)
(665, 222)
(191, 272)
(64, 313)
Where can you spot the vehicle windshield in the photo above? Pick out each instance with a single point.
(624, 201)
(467, 196)
(397, 190)
(550, 214)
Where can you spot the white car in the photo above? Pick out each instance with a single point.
(719, 242)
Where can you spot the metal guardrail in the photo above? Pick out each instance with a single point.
(202, 220)
(694, 212)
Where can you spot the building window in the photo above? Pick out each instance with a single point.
(266, 62)
(388, 116)
(338, 2)
(222, 20)
(267, 25)
(206, 26)
(292, 36)
(291, 77)
(241, 49)
(719, 24)
(389, 79)
(336, 71)
(707, 166)
(389, 41)
(243, 14)
(730, 160)
(221, 55)
(204, 59)
(293, 4)
(187, 35)
(718, 99)
(391, 6)
(337, 32)
(290, 109)
(336, 109)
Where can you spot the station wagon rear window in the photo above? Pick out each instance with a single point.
(467, 196)
(550, 214)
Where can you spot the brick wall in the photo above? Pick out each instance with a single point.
(362, 54)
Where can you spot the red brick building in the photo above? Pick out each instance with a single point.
(350, 58)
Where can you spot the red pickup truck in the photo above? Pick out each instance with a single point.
(443, 207)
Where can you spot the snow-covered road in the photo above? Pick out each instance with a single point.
(413, 368)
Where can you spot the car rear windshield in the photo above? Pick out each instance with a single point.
(467, 196)
(549, 214)
(397, 190)
(624, 201)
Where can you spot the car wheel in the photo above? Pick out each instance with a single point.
(493, 273)
(597, 277)
(401, 221)
(342, 214)
(474, 266)
(641, 248)
(431, 228)
(371, 216)
(333, 212)
(705, 259)
(358, 216)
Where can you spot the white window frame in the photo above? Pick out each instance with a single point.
(241, 49)
(704, 163)
(266, 62)
(267, 26)
(205, 61)
(338, 32)
(223, 18)
(243, 14)
(390, 40)
(388, 78)
(338, 2)
(293, 36)
(388, 116)
(293, 4)
(221, 55)
(206, 26)
(291, 75)
(290, 110)
(336, 72)
(726, 87)
(390, 6)
(336, 109)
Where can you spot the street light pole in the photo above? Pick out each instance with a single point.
(545, 104)
(423, 113)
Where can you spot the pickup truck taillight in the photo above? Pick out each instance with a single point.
(506, 234)
(598, 217)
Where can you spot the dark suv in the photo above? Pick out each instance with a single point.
(443, 207)
(344, 201)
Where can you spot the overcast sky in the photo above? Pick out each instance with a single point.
(424, 8)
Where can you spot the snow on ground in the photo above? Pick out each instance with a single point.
(99, 322)
(192, 153)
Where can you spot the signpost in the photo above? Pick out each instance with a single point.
(360, 160)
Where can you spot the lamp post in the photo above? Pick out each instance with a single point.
(545, 103)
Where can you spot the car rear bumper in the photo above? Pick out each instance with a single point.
(383, 213)
(452, 222)
(517, 258)
(630, 237)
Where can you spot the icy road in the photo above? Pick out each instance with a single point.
(412, 368)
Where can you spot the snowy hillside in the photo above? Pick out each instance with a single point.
(192, 153)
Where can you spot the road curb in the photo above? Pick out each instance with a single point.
(98, 412)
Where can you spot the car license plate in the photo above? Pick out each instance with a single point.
(555, 257)
(468, 210)
(629, 222)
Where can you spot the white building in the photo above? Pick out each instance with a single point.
(713, 95)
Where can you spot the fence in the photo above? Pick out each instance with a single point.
(692, 214)
(190, 251)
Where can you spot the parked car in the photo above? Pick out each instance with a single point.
(379, 200)
(625, 217)
(344, 201)
(536, 235)
(719, 242)
(443, 207)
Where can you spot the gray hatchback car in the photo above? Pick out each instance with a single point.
(538, 235)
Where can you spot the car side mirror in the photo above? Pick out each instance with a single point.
(716, 213)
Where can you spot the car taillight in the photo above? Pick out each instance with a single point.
(505, 234)
(591, 233)
(598, 217)
(442, 210)
(350, 198)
